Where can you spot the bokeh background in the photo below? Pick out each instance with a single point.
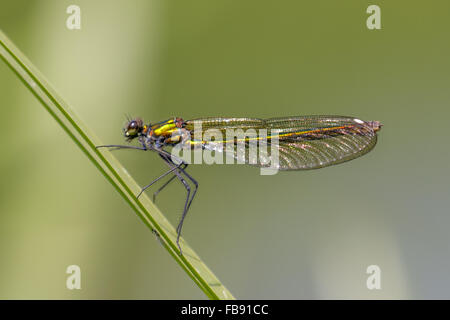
(294, 235)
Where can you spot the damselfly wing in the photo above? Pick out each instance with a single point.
(307, 142)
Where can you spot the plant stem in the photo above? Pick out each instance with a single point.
(112, 170)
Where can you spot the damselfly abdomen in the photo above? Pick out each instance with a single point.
(299, 143)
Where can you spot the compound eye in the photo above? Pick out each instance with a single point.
(133, 125)
(132, 129)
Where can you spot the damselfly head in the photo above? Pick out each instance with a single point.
(133, 128)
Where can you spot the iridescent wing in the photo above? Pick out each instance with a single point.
(298, 143)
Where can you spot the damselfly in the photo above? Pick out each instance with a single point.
(301, 143)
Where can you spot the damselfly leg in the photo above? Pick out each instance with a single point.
(178, 169)
(163, 186)
(189, 197)
(118, 146)
(159, 178)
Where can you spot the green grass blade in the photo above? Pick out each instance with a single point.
(112, 170)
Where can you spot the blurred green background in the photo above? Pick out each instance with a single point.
(293, 235)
